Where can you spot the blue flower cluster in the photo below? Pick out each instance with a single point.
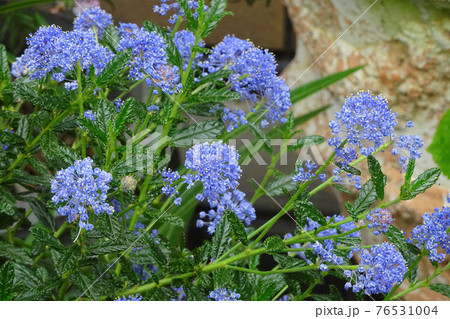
(253, 77)
(306, 173)
(216, 166)
(82, 190)
(379, 270)
(325, 254)
(364, 124)
(90, 116)
(167, 5)
(94, 19)
(380, 220)
(149, 58)
(54, 52)
(130, 298)
(347, 178)
(224, 294)
(233, 119)
(433, 233)
(184, 41)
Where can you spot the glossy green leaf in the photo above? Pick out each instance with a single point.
(377, 176)
(306, 141)
(307, 209)
(113, 68)
(46, 239)
(275, 188)
(366, 197)
(201, 131)
(440, 146)
(220, 238)
(238, 227)
(274, 244)
(443, 289)
(6, 281)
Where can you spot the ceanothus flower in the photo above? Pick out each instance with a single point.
(82, 189)
(305, 173)
(130, 298)
(224, 294)
(95, 19)
(380, 268)
(184, 40)
(231, 201)
(380, 220)
(364, 123)
(54, 52)
(232, 119)
(167, 5)
(90, 116)
(433, 233)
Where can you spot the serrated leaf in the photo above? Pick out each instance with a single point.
(68, 260)
(342, 189)
(5, 75)
(216, 11)
(307, 209)
(237, 227)
(125, 115)
(349, 241)
(366, 197)
(213, 96)
(113, 68)
(15, 254)
(274, 244)
(11, 139)
(46, 239)
(25, 91)
(440, 146)
(106, 247)
(397, 238)
(443, 289)
(409, 171)
(287, 262)
(268, 286)
(93, 130)
(220, 238)
(333, 295)
(86, 285)
(199, 132)
(25, 276)
(423, 182)
(275, 188)
(23, 129)
(214, 77)
(110, 225)
(194, 294)
(309, 88)
(261, 135)
(192, 22)
(306, 141)
(155, 251)
(7, 202)
(377, 176)
(6, 280)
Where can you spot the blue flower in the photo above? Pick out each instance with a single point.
(167, 5)
(94, 19)
(364, 123)
(130, 298)
(118, 103)
(184, 41)
(81, 189)
(231, 201)
(380, 220)
(181, 295)
(90, 116)
(224, 294)
(232, 119)
(380, 268)
(433, 233)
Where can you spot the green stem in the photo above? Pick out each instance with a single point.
(278, 295)
(308, 291)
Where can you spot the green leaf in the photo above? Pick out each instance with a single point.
(221, 237)
(213, 96)
(92, 129)
(378, 178)
(49, 145)
(16, 254)
(7, 202)
(199, 132)
(214, 77)
(46, 239)
(306, 141)
(216, 11)
(311, 87)
(191, 21)
(274, 244)
(172, 51)
(6, 279)
(307, 209)
(24, 127)
(5, 75)
(125, 115)
(25, 91)
(268, 286)
(349, 241)
(275, 188)
(155, 251)
(366, 197)
(440, 146)
(194, 294)
(287, 262)
(113, 68)
(423, 182)
(237, 226)
(86, 285)
(111, 39)
(68, 260)
(106, 247)
(409, 172)
(443, 289)
(110, 225)
(25, 276)
(397, 238)
(11, 139)
(342, 189)
(333, 295)
(261, 135)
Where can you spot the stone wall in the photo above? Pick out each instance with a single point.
(405, 47)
